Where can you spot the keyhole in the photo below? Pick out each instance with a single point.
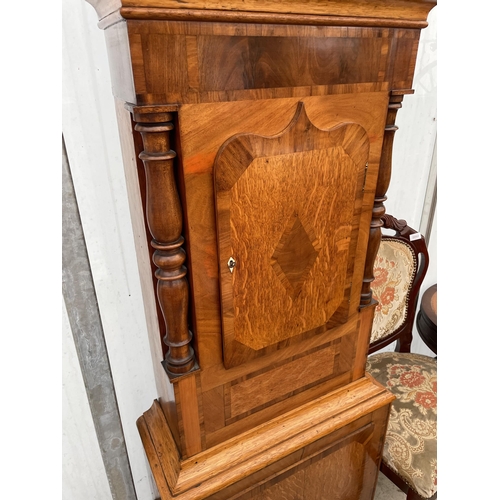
(231, 263)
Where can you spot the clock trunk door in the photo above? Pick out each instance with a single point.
(288, 211)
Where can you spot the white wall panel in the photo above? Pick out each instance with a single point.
(94, 154)
(83, 474)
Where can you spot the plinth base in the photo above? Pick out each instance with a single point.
(328, 449)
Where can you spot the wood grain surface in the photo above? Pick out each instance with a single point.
(341, 472)
(361, 431)
(256, 391)
(286, 211)
(164, 218)
(210, 62)
(189, 415)
(144, 251)
(213, 470)
(380, 12)
(202, 134)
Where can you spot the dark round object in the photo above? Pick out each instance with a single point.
(427, 318)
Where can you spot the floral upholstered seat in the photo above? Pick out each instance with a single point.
(410, 444)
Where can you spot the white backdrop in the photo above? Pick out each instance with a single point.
(91, 135)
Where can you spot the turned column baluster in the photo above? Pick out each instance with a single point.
(164, 217)
(384, 178)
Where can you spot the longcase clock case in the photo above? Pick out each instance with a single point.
(263, 135)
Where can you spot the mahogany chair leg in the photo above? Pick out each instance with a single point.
(411, 495)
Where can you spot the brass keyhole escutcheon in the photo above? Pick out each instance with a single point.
(231, 264)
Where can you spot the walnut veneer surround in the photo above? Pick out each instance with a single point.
(263, 133)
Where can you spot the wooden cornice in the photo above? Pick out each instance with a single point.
(376, 13)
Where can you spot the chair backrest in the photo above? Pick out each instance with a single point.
(399, 270)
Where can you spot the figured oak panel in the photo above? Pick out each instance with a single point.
(287, 217)
(341, 474)
(275, 383)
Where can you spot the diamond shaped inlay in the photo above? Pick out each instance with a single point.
(295, 254)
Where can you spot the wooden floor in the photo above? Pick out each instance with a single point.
(387, 490)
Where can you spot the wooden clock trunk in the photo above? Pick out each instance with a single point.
(263, 137)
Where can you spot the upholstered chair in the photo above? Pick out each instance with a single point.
(410, 450)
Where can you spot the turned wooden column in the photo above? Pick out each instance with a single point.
(164, 218)
(384, 178)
